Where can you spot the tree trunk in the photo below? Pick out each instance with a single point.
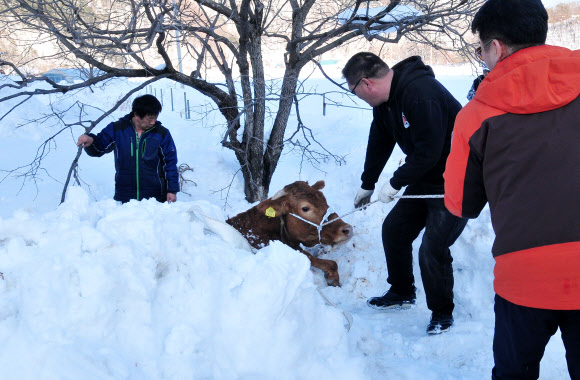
(276, 141)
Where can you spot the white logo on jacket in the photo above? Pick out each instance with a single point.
(405, 121)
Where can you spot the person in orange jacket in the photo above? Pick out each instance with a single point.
(515, 146)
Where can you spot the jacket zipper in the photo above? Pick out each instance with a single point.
(138, 142)
(137, 150)
(137, 162)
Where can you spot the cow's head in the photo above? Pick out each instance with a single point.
(309, 203)
(336, 232)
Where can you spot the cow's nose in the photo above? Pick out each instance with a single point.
(347, 230)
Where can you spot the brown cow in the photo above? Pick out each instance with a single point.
(271, 220)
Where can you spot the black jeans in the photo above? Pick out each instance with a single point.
(401, 227)
(521, 335)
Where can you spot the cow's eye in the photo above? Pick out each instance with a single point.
(305, 208)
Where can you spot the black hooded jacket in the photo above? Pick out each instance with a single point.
(419, 117)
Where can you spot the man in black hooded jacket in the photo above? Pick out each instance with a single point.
(411, 109)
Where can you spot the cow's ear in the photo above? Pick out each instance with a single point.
(318, 185)
(273, 207)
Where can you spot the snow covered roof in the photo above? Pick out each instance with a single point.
(69, 75)
(13, 79)
(397, 16)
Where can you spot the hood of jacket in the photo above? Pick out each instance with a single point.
(406, 72)
(531, 80)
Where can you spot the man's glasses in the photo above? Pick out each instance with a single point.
(353, 91)
(480, 48)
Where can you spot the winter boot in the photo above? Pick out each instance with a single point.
(440, 323)
(392, 300)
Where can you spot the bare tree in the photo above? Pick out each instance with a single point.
(121, 38)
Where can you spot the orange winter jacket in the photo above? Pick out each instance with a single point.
(516, 145)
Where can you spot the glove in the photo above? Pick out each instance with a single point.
(387, 193)
(362, 197)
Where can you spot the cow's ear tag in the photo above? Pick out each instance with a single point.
(270, 212)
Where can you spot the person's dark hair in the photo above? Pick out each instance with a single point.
(516, 23)
(146, 105)
(364, 65)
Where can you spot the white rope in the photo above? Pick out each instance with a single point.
(376, 200)
(317, 226)
(356, 209)
(346, 314)
(329, 211)
(420, 196)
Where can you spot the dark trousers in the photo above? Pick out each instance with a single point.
(401, 227)
(521, 335)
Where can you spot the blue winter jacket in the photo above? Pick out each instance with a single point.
(146, 166)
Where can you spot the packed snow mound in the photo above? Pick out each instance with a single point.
(140, 291)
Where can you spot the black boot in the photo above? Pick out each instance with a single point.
(440, 323)
(392, 300)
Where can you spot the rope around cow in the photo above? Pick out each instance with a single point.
(325, 222)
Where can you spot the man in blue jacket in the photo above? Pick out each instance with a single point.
(411, 109)
(145, 154)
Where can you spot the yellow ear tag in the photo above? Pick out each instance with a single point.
(270, 213)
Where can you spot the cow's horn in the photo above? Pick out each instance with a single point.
(279, 194)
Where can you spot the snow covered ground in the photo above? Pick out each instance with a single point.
(92, 289)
